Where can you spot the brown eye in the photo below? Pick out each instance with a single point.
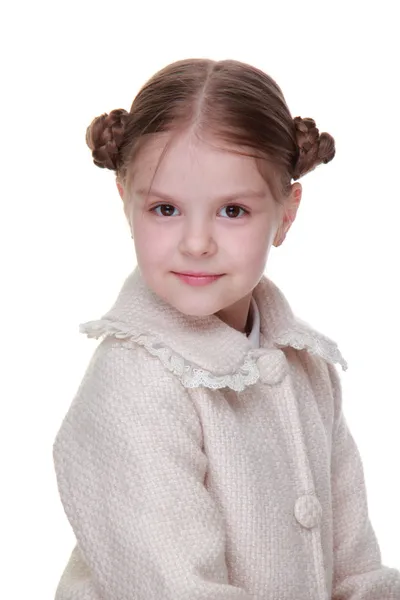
(233, 211)
(166, 210)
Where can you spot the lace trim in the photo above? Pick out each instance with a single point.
(326, 349)
(190, 375)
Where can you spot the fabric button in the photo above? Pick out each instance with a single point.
(272, 366)
(308, 511)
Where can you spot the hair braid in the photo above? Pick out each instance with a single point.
(314, 148)
(104, 137)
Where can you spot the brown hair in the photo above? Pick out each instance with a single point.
(235, 102)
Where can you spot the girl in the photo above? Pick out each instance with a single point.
(206, 454)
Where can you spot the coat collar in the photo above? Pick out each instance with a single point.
(204, 351)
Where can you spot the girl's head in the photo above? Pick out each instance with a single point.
(205, 161)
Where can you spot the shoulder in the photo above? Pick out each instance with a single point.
(123, 386)
(122, 363)
(324, 378)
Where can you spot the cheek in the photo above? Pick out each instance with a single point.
(249, 242)
(152, 243)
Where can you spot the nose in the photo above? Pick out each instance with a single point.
(197, 239)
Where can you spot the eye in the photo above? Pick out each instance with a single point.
(233, 210)
(166, 210)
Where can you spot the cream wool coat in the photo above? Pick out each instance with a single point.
(195, 463)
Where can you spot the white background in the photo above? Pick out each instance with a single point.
(66, 247)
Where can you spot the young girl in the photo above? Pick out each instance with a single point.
(206, 454)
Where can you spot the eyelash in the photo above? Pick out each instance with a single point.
(226, 206)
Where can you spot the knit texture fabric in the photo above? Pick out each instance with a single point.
(192, 465)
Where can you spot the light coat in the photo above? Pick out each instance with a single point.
(195, 463)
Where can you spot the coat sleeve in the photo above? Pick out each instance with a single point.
(130, 473)
(358, 572)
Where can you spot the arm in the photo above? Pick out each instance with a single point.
(130, 471)
(358, 571)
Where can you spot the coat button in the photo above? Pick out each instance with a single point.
(272, 366)
(308, 511)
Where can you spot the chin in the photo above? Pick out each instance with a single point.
(194, 309)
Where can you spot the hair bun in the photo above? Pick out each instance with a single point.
(314, 148)
(104, 136)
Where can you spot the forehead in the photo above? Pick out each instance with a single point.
(173, 162)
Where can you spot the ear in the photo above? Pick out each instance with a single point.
(291, 205)
(120, 189)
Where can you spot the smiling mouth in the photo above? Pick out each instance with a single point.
(196, 279)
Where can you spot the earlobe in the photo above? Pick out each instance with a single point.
(278, 241)
(120, 189)
(279, 236)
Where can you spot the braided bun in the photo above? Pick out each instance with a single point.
(104, 137)
(314, 148)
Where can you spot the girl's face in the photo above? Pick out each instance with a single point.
(208, 211)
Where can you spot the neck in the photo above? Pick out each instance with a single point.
(238, 315)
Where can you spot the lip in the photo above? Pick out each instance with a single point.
(197, 274)
(197, 279)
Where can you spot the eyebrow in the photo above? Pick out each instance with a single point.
(225, 198)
